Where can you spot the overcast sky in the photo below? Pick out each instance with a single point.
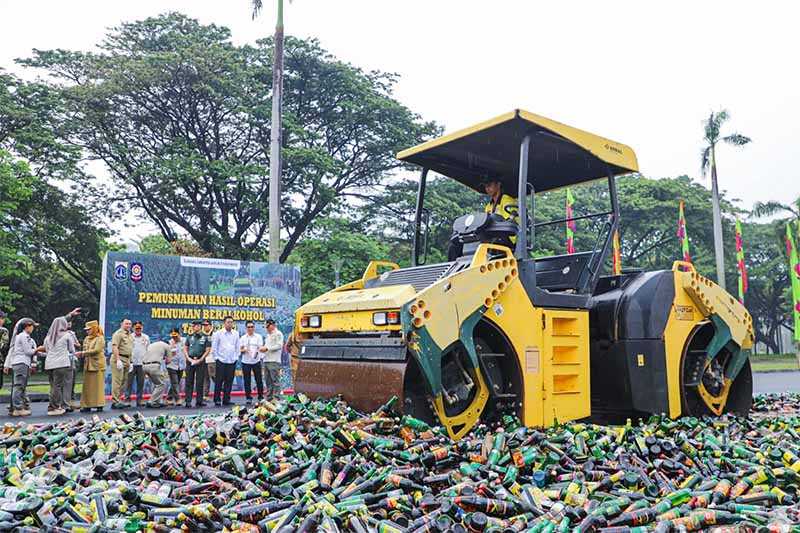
(636, 72)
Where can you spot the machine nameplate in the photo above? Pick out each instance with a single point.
(684, 312)
(532, 359)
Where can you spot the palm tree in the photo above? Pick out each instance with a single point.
(768, 209)
(711, 138)
(275, 136)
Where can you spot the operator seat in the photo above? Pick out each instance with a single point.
(475, 228)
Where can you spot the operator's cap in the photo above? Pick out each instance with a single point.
(206, 322)
(25, 322)
(269, 322)
(91, 324)
(196, 323)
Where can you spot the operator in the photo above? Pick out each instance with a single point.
(500, 204)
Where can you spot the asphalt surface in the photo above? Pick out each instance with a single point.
(764, 382)
(39, 412)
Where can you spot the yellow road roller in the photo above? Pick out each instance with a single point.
(498, 330)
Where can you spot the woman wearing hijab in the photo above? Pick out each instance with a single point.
(93, 394)
(58, 365)
(20, 360)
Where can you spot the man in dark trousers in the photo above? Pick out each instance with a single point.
(197, 348)
(4, 340)
(225, 346)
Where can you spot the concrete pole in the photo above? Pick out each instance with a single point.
(718, 249)
(275, 166)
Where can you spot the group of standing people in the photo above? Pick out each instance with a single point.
(61, 353)
(204, 355)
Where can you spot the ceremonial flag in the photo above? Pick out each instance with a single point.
(740, 262)
(682, 235)
(794, 274)
(570, 223)
(616, 258)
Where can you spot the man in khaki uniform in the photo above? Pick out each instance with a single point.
(154, 359)
(121, 352)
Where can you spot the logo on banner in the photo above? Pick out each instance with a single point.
(120, 270)
(136, 271)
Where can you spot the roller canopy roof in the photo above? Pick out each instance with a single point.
(560, 155)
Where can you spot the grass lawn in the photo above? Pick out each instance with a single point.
(767, 363)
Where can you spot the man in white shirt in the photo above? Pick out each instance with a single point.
(273, 347)
(251, 343)
(225, 348)
(136, 371)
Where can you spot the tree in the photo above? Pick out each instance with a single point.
(157, 244)
(335, 240)
(390, 214)
(179, 117)
(768, 295)
(49, 225)
(768, 209)
(15, 181)
(276, 131)
(648, 210)
(712, 135)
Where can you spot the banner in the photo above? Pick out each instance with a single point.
(794, 275)
(164, 292)
(570, 223)
(683, 235)
(740, 262)
(616, 257)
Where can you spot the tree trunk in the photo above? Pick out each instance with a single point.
(718, 249)
(275, 144)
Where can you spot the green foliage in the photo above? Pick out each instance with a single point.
(181, 118)
(712, 135)
(15, 182)
(51, 236)
(648, 210)
(390, 214)
(769, 296)
(335, 241)
(156, 244)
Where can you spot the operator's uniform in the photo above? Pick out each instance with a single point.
(505, 207)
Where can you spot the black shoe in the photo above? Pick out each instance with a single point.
(199, 405)
(98, 409)
(225, 404)
(249, 401)
(217, 404)
(153, 405)
(86, 410)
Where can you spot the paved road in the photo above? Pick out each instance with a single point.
(39, 412)
(776, 382)
(762, 382)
